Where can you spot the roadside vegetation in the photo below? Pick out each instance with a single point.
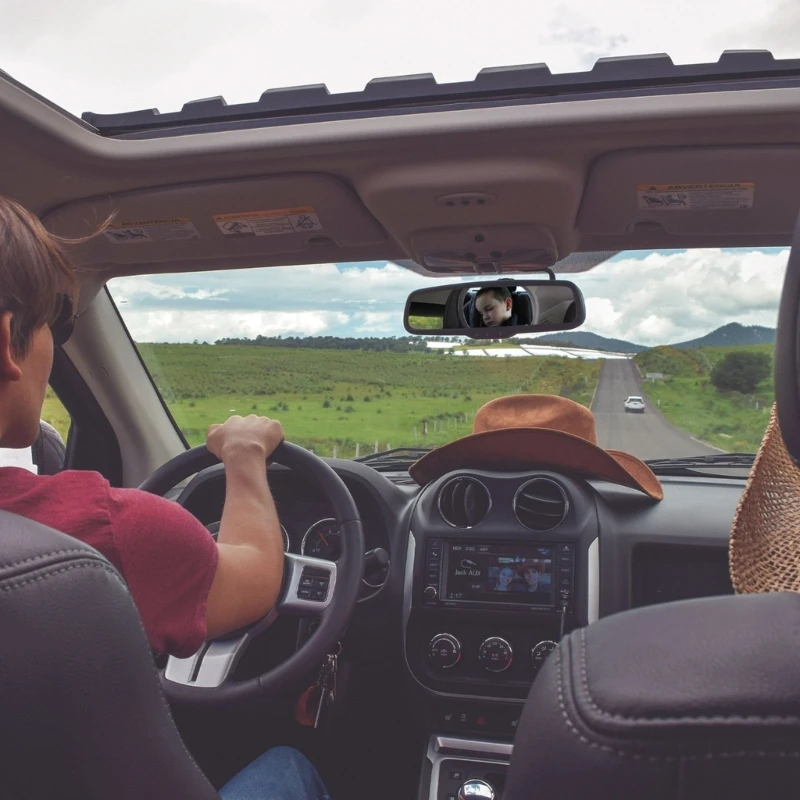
(720, 395)
(350, 399)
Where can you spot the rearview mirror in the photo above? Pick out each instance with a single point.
(495, 309)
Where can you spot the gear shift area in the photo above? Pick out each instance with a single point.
(466, 769)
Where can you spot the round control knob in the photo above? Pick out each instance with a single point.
(430, 593)
(476, 789)
(444, 650)
(495, 654)
(540, 652)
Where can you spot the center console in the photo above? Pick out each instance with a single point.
(499, 567)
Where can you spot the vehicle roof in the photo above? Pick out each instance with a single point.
(519, 160)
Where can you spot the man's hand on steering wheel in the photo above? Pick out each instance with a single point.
(239, 434)
(250, 568)
(249, 522)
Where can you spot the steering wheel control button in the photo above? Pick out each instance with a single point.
(444, 651)
(540, 652)
(314, 584)
(495, 654)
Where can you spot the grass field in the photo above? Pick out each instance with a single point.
(336, 398)
(727, 420)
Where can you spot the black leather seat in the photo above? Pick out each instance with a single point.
(693, 700)
(82, 716)
(48, 451)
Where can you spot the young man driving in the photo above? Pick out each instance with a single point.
(187, 587)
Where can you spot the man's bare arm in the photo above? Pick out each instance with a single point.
(250, 569)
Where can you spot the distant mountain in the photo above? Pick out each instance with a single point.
(731, 335)
(588, 341)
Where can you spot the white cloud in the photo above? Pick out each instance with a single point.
(183, 326)
(671, 297)
(124, 55)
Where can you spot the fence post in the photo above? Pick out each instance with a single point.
(425, 424)
(388, 446)
(335, 450)
(376, 445)
(415, 433)
(358, 447)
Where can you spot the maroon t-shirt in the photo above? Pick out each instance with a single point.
(167, 557)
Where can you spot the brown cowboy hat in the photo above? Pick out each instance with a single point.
(528, 430)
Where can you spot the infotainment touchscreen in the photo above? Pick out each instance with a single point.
(499, 573)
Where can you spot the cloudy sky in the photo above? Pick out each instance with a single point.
(123, 55)
(647, 298)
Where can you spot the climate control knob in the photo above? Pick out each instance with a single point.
(495, 654)
(540, 652)
(444, 651)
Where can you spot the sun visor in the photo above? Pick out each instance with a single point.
(225, 222)
(680, 196)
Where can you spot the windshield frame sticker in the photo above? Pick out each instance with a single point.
(733, 196)
(271, 222)
(170, 229)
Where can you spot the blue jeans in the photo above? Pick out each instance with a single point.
(279, 774)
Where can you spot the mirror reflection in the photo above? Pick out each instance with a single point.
(530, 305)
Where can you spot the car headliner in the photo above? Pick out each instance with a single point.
(558, 178)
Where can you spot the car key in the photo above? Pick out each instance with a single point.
(327, 685)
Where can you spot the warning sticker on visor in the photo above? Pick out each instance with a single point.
(273, 222)
(695, 196)
(151, 230)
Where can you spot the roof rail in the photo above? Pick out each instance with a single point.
(649, 74)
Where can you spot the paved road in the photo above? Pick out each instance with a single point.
(646, 435)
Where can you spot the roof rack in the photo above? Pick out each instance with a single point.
(620, 76)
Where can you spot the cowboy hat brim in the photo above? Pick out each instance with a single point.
(523, 448)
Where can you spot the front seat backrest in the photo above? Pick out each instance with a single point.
(48, 451)
(691, 700)
(82, 716)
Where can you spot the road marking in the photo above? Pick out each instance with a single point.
(706, 444)
(597, 385)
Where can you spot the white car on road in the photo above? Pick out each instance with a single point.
(634, 404)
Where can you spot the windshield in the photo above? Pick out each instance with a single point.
(322, 348)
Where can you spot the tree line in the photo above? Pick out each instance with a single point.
(393, 344)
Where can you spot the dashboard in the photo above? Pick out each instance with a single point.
(487, 570)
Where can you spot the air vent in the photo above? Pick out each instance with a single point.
(541, 504)
(464, 502)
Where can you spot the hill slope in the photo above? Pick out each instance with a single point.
(731, 335)
(584, 339)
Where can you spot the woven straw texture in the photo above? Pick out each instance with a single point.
(765, 539)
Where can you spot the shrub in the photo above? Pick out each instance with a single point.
(740, 371)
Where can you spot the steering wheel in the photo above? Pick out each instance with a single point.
(206, 677)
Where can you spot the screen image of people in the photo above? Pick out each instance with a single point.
(518, 574)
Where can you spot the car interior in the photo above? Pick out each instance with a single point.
(641, 673)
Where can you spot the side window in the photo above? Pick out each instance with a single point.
(54, 413)
(46, 457)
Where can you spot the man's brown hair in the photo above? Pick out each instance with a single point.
(34, 273)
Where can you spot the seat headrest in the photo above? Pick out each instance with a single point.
(692, 699)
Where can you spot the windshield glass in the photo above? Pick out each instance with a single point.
(322, 348)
